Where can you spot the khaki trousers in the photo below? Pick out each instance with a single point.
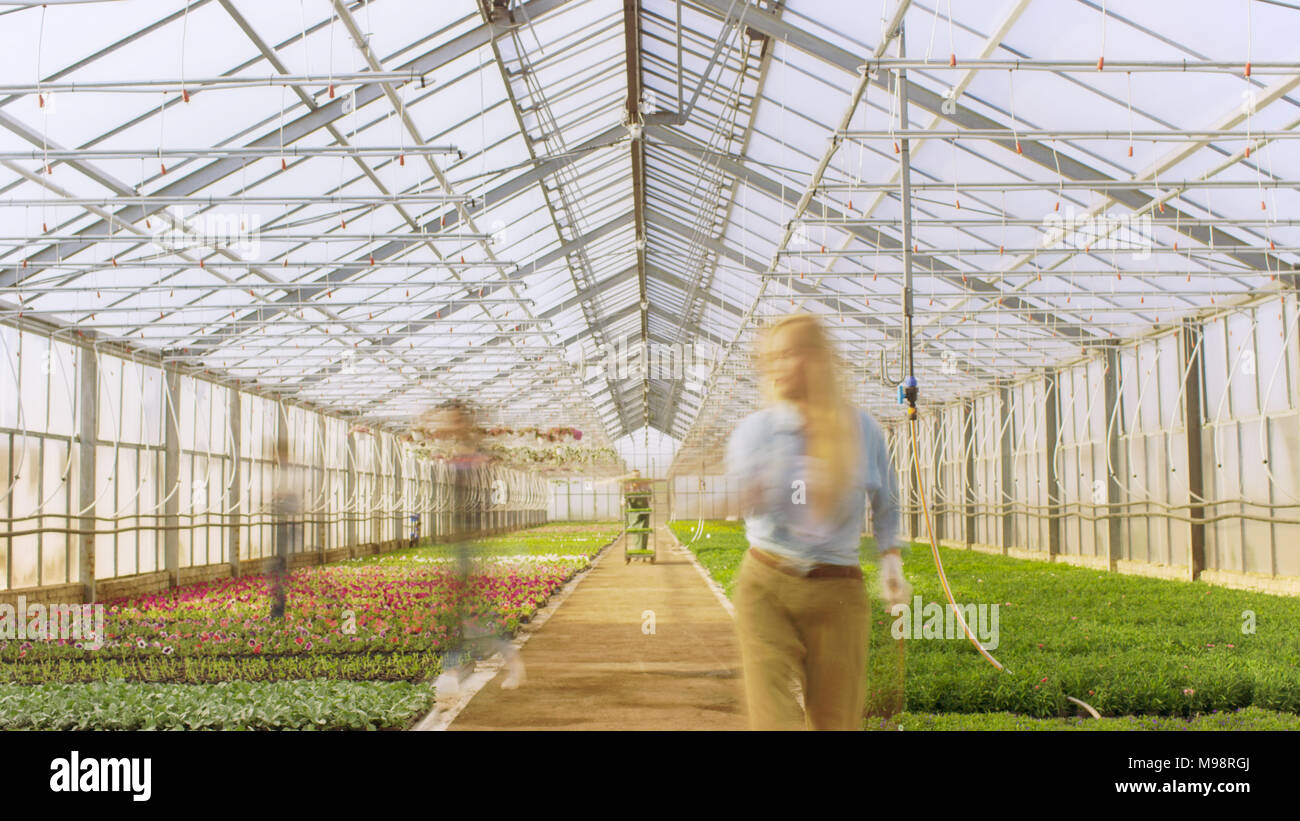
(811, 631)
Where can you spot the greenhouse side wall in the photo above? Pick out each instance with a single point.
(184, 472)
(1089, 462)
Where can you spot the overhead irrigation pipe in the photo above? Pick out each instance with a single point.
(285, 263)
(237, 199)
(1091, 66)
(196, 84)
(273, 151)
(1016, 134)
(908, 390)
(1055, 185)
(233, 236)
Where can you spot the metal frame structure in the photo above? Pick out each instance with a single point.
(371, 206)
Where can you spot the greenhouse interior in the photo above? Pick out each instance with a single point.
(445, 365)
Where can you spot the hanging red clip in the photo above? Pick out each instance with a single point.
(1101, 63)
(185, 95)
(952, 59)
(1247, 68)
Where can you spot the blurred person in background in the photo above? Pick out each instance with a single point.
(806, 464)
(638, 491)
(455, 424)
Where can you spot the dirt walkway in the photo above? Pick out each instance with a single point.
(592, 666)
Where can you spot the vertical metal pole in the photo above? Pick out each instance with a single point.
(171, 474)
(1194, 364)
(234, 418)
(399, 480)
(1052, 425)
(88, 441)
(1114, 525)
(905, 163)
(349, 491)
(1005, 468)
(968, 455)
(679, 58)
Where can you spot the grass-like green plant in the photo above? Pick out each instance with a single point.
(1123, 644)
(233, 705)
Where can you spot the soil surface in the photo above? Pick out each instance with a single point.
(603, 663)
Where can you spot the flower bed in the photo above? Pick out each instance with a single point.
(357, 647)
(392, 611)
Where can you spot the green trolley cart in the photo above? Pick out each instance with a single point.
(638, 520)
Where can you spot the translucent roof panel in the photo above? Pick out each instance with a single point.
(370, 207)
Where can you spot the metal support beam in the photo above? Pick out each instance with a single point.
(1114, 491)
(1061, 165)
(88, 441)
(171, 536)
(1006, 484)
(350, 492)
(234, 420)
(293, 131)
(968, 449)
(1052, 430)
(636, 122)
(874, 237)
(1193, 361)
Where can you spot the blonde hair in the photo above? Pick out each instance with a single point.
(830, 424)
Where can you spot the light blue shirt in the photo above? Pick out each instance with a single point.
(767, 447)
